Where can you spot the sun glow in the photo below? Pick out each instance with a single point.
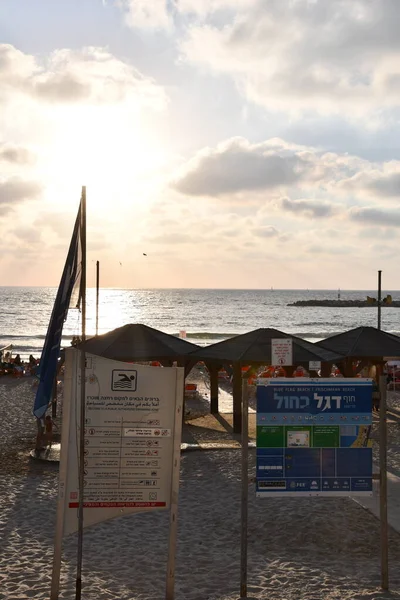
(108, 150)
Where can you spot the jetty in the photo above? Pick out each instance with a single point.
(344, 303)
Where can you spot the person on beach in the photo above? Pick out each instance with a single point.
(48, 430)
(39, 435)
(375, 395)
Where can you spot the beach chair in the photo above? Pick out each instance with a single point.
(190, 389)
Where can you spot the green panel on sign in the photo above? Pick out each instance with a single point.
(270, 437)
(298, 436)
(326, 436)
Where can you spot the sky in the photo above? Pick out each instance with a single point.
(236, 143)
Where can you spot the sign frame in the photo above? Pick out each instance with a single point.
(71, 395)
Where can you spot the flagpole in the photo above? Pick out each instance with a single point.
(78, 588)
(97, 295)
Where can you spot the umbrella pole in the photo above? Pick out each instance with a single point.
(379, 297)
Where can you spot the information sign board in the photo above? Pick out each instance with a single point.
(314, 365)
(313, 437)
(131, 427)
(281, 352)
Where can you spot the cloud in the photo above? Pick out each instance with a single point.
(27, 235)
(388, 185)
(375, 216)
(265, 231)
(330, 56)
(16, 155)
(147, 14)
(313, 182)
(90, 75)
(14, 191)
(308, 208)
(171, 238)
(162, 14)
(236, 165)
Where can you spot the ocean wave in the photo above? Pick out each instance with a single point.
(207, 335)
(31, 337)
(321, 335)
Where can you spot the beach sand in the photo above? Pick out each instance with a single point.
(298, 548)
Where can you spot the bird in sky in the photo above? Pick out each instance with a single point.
(144, 254)
(120, 264)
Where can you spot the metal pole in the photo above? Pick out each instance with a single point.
(383, 484)
(70, 372)
(173, 515)
(97, 295)
(379, 297)
(54, 399)
(78, 588)
(245, 490)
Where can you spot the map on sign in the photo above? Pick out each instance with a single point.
(313, 437)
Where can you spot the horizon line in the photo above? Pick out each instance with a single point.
(269, 289)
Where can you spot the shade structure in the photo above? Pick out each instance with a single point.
(138, 342)
(255, 347)
(363, 342)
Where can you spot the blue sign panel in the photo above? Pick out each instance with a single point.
(313, 437)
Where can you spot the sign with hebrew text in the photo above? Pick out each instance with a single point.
(313, 437)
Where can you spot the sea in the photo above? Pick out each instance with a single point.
(207, 316)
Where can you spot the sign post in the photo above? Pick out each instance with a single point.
(383, 484)
(245, 491)
(131, 456)
(173, 519)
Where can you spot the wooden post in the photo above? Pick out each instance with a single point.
(237, 398)
(245, 491)
(383, 485)
(214, 404)
(326, 369)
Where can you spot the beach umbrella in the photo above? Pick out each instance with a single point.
(137, 342)
(363, 342)
(254, 347)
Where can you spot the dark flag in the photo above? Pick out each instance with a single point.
(69, 294)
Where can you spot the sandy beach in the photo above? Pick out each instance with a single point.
(298, 548)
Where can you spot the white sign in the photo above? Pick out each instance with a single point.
(314, 365)
(132, 438)
(281, 352)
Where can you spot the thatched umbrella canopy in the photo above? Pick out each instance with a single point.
(253, 348)
(136, 342)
